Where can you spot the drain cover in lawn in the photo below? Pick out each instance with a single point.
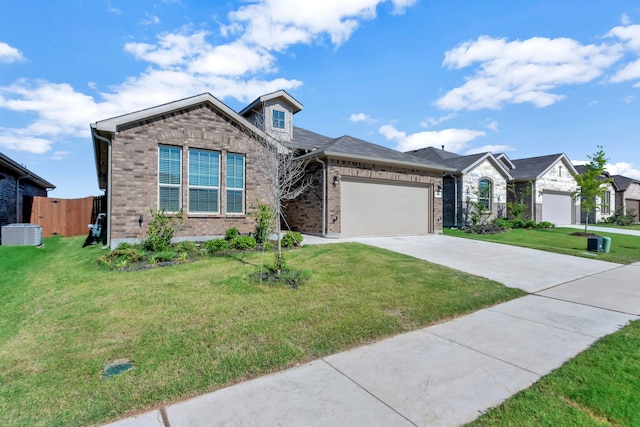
(116, 367)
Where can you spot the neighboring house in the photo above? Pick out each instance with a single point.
(198, 155)
(605, 206)
(627, 195)
(474, 178)
(549, 186)
(17, 186)
(363, 189)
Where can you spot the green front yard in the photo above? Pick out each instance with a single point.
(196, 327)
(599, 387)
(624, 249)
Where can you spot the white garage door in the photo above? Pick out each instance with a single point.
(383, 208)
(557, 208)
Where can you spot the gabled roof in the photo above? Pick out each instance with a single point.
(434, 154)
(103, 129)
(535, 167)
(23, 173)
(306, 140)
(624, 182)
(505, 160)
(459, 163)
(295, 105)
(350, 148)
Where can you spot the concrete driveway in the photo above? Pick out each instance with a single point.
(516, 267)
(446, 374)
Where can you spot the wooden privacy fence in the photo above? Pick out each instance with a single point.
(65, 217)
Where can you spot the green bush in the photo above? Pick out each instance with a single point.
(291, 239)
(243, 243)
(187, 246)
(231, 233)
(163, 256)
(619, 217)
(122, 256)
(216, 246)
(545, 224)
(161, 230)
(263, 215)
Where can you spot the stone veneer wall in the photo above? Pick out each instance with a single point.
(305, 213)
(135, 172)
(470, 182)
(557, 178)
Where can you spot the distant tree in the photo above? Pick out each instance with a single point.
(592, 184)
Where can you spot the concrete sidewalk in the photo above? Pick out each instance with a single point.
(446, 374)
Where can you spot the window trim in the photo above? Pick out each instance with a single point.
(242, 189)
(605, 203)
(168, 185)
(488, 197)
(202, 187)
(278, 120)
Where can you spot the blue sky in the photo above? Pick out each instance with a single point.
(526, 78)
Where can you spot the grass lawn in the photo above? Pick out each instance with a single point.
(624, 249)
(196, 327)
(599, 387)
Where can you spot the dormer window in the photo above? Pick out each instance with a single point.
(278, 119)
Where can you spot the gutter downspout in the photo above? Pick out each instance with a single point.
(324, 197)
(108, 191)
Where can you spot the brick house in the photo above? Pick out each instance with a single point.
(17, 186)
(198, 155)
(363, 189)
(550, 183)
(627, 195)
(475, 178)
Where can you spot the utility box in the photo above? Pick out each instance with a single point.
(594, 244)
(21, 235)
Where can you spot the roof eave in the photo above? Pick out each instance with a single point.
(376, 160)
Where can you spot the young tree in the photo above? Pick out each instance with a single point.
(592, 184)
(285, 175)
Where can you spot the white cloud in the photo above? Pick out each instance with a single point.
(592, 103)
(112, 9)
(491, 149)
(184, 63)
(623, 168)
(362, 117)
(150, 19)
(454, 140)
(629, 99)
(624, 19)
(9, 54)
(432, 121)
(522, 71)
(277, 24)
(491, 125)
(59, 155)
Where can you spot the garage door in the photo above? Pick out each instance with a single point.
(557, 208)
(635, 205)
(383, 208)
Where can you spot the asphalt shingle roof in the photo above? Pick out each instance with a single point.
(532, 167)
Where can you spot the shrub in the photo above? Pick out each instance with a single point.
(216, 246)
(231, 233)
(263, 215)
(546, 224)
(161, 230)
(619, 217)
(187, 247)
(291, 238)
(243, 243)
(122, 256)
(163, 256)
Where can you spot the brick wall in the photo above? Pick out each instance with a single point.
(305, 213)
(8, 214)
(135, 172)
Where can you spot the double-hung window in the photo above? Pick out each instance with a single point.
(605, 208)
(278, 119)
(484, 193)
(169, 178)
(235, 183)
(204, 181)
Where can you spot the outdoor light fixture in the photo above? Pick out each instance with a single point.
(335, 179)
(439, 188)
(140, 221)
